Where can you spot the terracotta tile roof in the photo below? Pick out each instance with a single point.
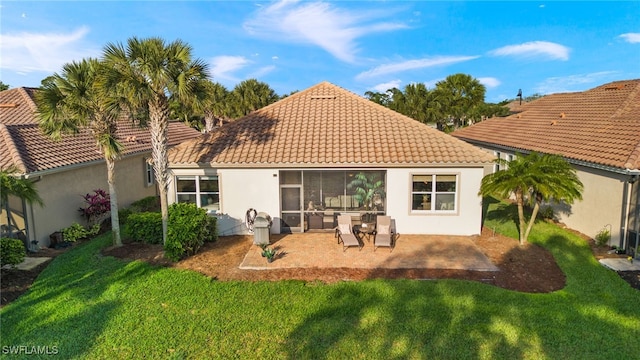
(599, 126)
(326, 125)
(24, 146)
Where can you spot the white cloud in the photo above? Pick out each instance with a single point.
(382, 88)
(223, 66)
(322, 24)
(43, 52)
(262, 72)
(534, 48)
(489, 82)
(632, 38)
(572, 83)
(413, 65)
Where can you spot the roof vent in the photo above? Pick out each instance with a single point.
(323, 96)
(8, 106)
(554, 122)
(562, 115)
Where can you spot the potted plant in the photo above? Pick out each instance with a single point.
(269, 253)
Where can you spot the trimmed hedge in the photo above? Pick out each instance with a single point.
(12, 251)
(188, 228)
(144, 227)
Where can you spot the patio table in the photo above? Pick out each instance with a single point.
(366, 229)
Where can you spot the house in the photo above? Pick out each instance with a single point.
(65, 170)
(295, 160)
(598, 132)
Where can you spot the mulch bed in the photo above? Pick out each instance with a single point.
(528, 268)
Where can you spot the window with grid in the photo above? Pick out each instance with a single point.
(434, 192)
(200, 190)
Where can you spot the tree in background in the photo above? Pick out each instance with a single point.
(250, 95)
(532, 179)
(76, 99)
(215, 104)
(378, 97)
(459, 94)
(11, 184)
(150, 74)
(3, 86)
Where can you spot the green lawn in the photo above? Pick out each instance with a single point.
(85, 305)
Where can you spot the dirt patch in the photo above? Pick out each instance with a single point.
(528, 268)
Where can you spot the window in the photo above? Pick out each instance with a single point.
(434, 192)
(200, 190)
(496, 167)
(149, 175)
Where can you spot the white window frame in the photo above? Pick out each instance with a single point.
(211, 208)
(149, 174)
(433, 193)
(496, 167)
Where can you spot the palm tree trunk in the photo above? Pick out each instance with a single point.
(159, 113)
(534, 214)
(113, 201)
(520, 202)
(209, 122)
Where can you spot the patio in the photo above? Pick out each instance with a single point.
(321, 250)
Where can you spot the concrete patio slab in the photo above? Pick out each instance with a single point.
(620, 264)
(321, 250)
(30, 263)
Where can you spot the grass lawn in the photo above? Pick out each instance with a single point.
(85, 305)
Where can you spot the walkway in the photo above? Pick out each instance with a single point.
(321, 250)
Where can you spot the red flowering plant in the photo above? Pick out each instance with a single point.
(97, 206)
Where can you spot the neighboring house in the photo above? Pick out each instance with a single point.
(598, 131)
(294, 160)
(66, 170)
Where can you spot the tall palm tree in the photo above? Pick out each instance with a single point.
(533, 179)
(74, 100)
(215, 104)
(13, 185)
(250, 95)
(151, 73)
(458, 94)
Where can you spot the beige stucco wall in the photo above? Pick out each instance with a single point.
(62, 194)
(601, 205)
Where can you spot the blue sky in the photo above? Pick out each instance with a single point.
(540, 47)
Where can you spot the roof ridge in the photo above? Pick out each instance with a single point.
(28, 99)
(13, 149)
(632, 100)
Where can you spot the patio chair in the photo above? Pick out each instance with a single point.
(384, 233)
(345, 233)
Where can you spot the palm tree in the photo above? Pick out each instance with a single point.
(250, 95)
(367, 189)
(215, 106)
(74, 100)
(458, 94)
(151, 73)
(12, 185)
(533, 179)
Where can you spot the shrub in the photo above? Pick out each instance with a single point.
(547, 213)
(123, 215)
(188, 228)
(12, 251)
(211, 228)
(147, 204)
(76, 232)
(603, 237)
(144, 227)
(98, 205)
